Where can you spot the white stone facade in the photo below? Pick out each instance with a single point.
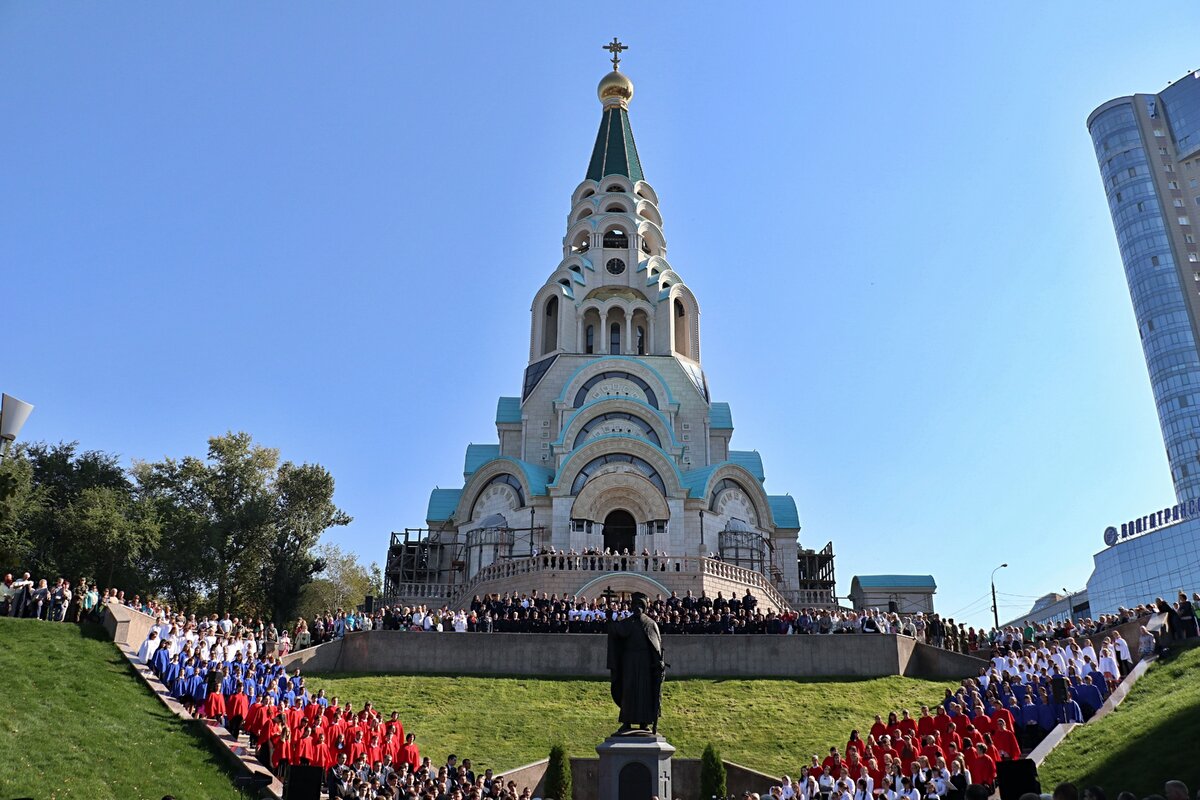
(614, 441)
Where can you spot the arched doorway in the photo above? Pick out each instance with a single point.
(619, 530)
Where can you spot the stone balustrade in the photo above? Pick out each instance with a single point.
(537, 568)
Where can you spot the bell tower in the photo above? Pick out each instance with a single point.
(614, 292)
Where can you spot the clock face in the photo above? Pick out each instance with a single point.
(615, 265)
(1110, 536)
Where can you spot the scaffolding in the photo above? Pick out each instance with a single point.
(448, 559)
(742, 546)
(816, 578)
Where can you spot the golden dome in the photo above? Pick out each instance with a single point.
(615, 89)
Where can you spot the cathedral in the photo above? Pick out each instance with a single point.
(614, 470)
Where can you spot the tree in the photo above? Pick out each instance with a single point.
(304, 510)
(558, 774)
(239, 529)
(59, 475)
(341, 583)
(20, 502)
(712, 774)
(121, 530)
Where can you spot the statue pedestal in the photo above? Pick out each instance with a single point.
(635, 768)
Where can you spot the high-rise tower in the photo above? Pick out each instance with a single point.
(1148, 148)
(614, 443)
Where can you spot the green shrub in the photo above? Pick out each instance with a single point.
(558, 774)
(712, 774)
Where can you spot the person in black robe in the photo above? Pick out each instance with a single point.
(636, 666)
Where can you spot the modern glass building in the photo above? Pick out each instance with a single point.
(1148, 150)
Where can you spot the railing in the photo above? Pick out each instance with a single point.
(807, 598)
(647, 565)
(418, 591)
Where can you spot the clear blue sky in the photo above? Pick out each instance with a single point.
(324, 224)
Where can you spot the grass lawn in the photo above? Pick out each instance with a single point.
(769, 725)
(76, 722)
(1152, 737)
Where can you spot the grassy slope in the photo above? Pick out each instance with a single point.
(1153, 736)
(770, 725)
(75, 722)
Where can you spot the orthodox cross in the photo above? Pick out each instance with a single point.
(615, 47)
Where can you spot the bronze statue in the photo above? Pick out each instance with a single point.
(635, 661)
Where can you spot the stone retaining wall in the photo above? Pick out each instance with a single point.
(583, 656)
(685, 778)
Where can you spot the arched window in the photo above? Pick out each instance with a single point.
(614, 339)
(590, 337)
(616, 187)
(587, 212)
(683, 331)
(615, 208)
(550, 327)
(646, 245)
(640, 464)
(616, 238)
(641, 340)
(581, 243)
(617, 419)
(588, 193)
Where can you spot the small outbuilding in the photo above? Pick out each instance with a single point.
(904, 594)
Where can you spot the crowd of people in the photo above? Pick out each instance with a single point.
(221, 674)
(230, 670)
(25, 597)
(999, 715)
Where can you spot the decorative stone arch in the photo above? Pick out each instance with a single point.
(586, 210)
(654, 265)
(617, 204)
(614, 491)
(627, 364)
(648, 211)
(609, 181)
(539, 335)
(646, 191)
(653, 235)
(583, 226)
(685, 322)
(607, 223)
(625, 582)
(480, 480)
(662, 463)
(584, 190)
(623, 405)
(749, 486)
(668, 278)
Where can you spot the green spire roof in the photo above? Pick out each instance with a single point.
(615, 153)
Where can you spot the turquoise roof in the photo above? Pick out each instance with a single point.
(538, 476)
(477, 456)
(783, 509)
(508, 409)
(750, 460)
(896, 581)
(697, 479)
(615, 153)
(535, 475)
(442, 503)
(720, 417)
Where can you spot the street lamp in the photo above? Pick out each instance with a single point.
(995, 610)
(13, 413)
